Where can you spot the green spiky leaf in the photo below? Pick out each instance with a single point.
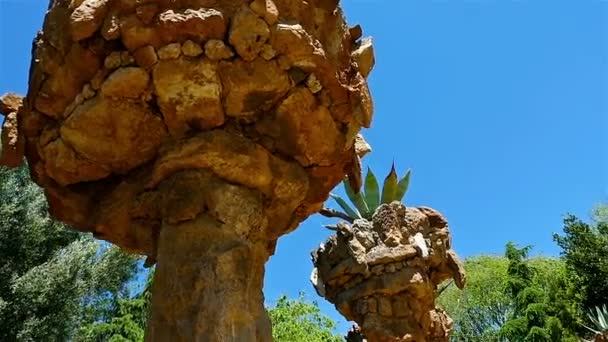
(601, 318)
(402, 186)
(356, 198)
(372, 192)
(353, 213)
(389, 188)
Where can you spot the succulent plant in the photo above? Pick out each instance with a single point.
(599, 319)
(365, 203)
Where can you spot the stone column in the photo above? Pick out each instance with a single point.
(383, 273)
(210, 262)
(218, 297)
(195, 133)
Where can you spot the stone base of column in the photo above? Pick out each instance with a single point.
(206, 288)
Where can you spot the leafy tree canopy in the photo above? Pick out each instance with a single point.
(585, 251)
(486, 305)
(541, 309)
(482, 307)
(51, 279)
(300, 321)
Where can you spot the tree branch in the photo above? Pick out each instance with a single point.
(334, 213)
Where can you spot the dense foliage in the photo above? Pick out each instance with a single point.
(51, 279)
(585, 251)
(126, 321)
(300, 321)
(483, 306)
(487, 310)
(539, 311)
(516, 298)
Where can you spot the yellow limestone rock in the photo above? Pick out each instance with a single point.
(248, 34)
(189, 95)
(252, 87)
(129, 82)
(118, 134)
(196, 132)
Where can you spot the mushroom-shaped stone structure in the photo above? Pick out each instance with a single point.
(196, 132)
(383, 273)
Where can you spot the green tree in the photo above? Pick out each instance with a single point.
(51, 279)
(482, 307)
(600, 213)
(585, 252)
(538, 315)
(300, 321)
(126, 321)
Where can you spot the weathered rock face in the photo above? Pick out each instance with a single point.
(115, 85)
(13, 143)
(384, 274)
(260, 98)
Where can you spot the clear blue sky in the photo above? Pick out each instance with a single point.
(500, 108)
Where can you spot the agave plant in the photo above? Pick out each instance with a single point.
(599, 319)
(383, 267)
(365, 203)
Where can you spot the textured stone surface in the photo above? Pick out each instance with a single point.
(126, 58)
(170, 51)
(152, 123)
(189, 95)
(110, 29)
(216, 49)
(87, 18)
(9, 103)
(364, 56)
(112, 61)
(127, 82)
(120, 135)
(13, 141)
(248, 33)
(196, 24)
(145, 56)
(146, 12)
(66, 167)
(384, 273)
(298, 46)
(361, 146)
(134, 33)
(191, 49)
(276, 65)
(266, 9)
(253, 87)
(300, 114)
(228, 260)
(235, 158)
(60, 88)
